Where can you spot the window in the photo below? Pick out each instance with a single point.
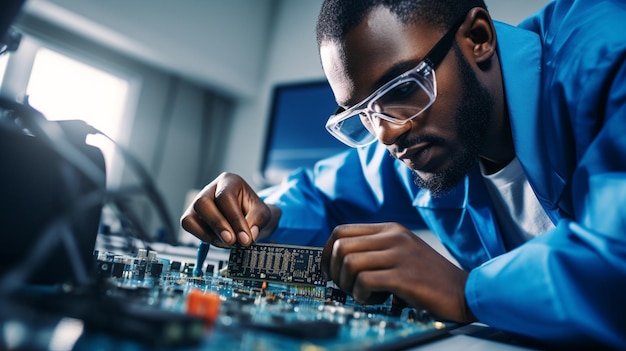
(63, 88)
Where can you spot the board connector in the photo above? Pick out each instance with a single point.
(286, 264)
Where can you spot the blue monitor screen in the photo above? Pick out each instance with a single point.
(296, 134)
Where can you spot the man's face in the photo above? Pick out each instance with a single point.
(443, 143)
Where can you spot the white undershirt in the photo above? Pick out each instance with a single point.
(518, 211)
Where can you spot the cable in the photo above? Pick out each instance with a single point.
(64, 138)
(76, 131)
(148, 185)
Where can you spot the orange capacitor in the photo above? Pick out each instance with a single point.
(205, 305)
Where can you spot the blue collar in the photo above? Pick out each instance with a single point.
(520, 53)
(520, 59)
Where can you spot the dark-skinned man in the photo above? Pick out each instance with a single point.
(508, 143)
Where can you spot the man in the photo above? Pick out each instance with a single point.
(508, 143)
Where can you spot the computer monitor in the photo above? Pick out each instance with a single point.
(296, 136)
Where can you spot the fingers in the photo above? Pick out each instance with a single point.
(354, 266)
(370, 261)
(367, 287)
(356, 251)
(225, 212)
(363, 267)
(226, 215)
(206, 211)
(357, 254)
(349, 238)
(192, 223)
(241, 212)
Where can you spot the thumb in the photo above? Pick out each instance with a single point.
(263, 223)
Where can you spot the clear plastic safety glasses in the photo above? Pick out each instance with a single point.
(398, 101)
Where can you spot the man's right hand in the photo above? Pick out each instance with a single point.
(228, 211)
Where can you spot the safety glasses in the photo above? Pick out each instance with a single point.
(398, 101)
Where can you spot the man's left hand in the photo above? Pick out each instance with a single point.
(372, 261)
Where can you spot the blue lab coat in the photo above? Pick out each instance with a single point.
(565, 84)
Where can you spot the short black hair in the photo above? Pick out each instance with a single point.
(338, 17)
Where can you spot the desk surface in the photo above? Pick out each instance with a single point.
(478, 337)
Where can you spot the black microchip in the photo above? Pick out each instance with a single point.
(336, 295)
(286, 264)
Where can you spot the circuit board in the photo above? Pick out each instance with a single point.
(286, 264)
(146, 302)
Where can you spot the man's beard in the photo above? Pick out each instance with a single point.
(472, 119)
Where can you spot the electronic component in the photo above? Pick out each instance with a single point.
(203, 305)
(286, 264)
(268, 297)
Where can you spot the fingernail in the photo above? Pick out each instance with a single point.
(227, 237)
(255, 232)
(243, 238)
